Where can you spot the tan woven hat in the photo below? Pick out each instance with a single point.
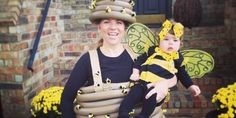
(119, 9)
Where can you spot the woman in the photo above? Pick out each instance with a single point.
(115, 62)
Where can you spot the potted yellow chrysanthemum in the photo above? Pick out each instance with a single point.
(225, 100)
(46, 103)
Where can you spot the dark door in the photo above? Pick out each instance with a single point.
(150, 7)
(153, 12)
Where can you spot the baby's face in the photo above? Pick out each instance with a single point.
(170, 43)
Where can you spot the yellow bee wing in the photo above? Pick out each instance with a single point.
(197, 62)
(140, 38)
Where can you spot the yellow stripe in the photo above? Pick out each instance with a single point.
(150, 77)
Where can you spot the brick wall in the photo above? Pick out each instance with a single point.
(212, 40)
(230, 23)
(18, 85)
(212, 12)
(79, 36)
(9, 12)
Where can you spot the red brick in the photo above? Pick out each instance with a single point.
(92, 35)
(8, 55)
(213, 81)
(170, 103)
(9, 78)
(206, 82)
(184, 101)
(2, 77)
(203, 101)
(19, 70)
(53, 18)
(219, 81)
(19, 46)
(5, 47)
(17, 100)
(197, 102)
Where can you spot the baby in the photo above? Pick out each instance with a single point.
(160, 62)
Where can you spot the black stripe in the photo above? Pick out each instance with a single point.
(157, 70)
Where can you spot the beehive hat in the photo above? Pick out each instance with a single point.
(119, 9)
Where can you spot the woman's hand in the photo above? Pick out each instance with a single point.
(161, 88)
(135, 75)
(195, 90)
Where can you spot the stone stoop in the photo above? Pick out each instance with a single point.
(183, 104)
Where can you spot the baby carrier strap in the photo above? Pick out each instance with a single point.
(96, 71)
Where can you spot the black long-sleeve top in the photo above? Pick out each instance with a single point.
(182, 74)
(117, 69)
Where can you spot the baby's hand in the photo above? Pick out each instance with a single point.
(134, 77)
(195, 90)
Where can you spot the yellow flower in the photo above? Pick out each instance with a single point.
(223, 116)
(47, 101)
(225, 97)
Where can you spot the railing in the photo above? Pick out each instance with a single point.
(38, 35)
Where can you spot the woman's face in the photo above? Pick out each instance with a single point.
(111, 31)
(170, 43)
